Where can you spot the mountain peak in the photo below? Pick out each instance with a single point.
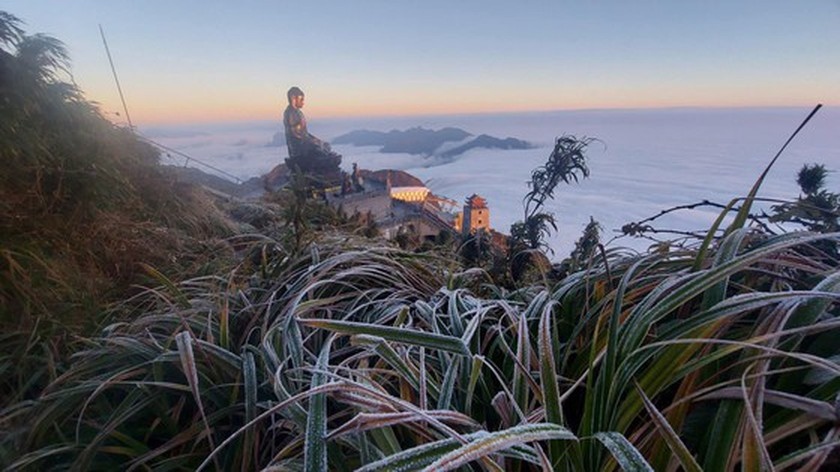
(428, 142)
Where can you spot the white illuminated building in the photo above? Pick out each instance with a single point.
(409, 194)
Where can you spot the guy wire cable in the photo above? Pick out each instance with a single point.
(116, 79)
(131, 126)
(188, 157)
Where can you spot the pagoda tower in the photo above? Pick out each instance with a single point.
(476, 215)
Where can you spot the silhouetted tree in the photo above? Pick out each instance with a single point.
(816, 209)
(531, 233)
(585, 248)
(566, 163)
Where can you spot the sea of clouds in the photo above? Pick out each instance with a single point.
(644, 161)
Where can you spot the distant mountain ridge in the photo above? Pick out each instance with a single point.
(486, 141)
(427, 142)
(416, 140)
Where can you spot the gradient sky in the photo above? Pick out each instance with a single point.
(208, 60)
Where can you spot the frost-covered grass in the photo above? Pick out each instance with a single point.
(351, 356)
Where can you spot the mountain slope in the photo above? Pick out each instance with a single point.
(487, 142)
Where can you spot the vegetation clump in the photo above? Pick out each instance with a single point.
(82, 202)
(817, 208)
(85, 211)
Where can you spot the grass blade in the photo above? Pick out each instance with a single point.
(448, 386)
(417, 457)
(185, 351)
(401, 335)
(249, 376)
(744, 212)
(315, 445)
(548, 379)
(182, 300)
(381, 347)
(498, 441)
(627, 456)
(673, 440)
(475, 373)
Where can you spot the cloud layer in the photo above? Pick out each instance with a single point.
(644, 161)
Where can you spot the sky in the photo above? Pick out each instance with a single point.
(183, 61)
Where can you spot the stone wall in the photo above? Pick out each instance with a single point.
(378, 204)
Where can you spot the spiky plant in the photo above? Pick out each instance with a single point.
(527, 242)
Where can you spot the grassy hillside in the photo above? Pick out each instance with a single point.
(82, 201)
(84, 211)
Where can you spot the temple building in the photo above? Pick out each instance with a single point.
(476, 215)
(397, 202)
(410, 194)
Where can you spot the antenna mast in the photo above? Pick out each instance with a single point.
(116, 79)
